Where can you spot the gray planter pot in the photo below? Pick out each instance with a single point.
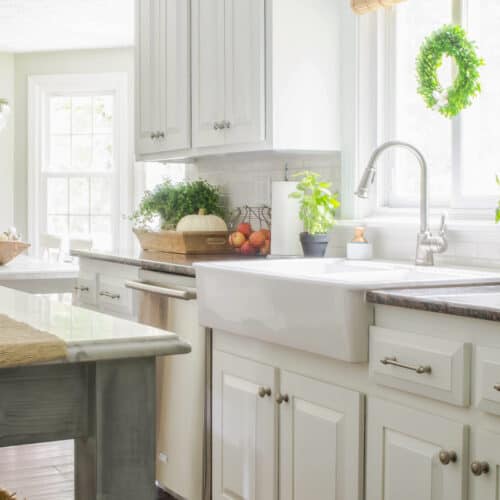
(314, 245)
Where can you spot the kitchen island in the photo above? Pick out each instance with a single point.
(101, 393)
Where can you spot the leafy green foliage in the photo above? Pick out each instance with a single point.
(449, 40)
(172, 202)
(317, 203)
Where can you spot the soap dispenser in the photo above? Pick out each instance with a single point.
(359, 248)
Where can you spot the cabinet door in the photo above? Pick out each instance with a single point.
(485, 481)
(321, 441)
(208, 72)
(162, 76)
(245, 71)
(244, 429)
(403, 454)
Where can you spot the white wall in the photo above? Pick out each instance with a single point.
(7, 145)
(48, 63)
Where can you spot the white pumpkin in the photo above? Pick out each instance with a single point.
(201, 222)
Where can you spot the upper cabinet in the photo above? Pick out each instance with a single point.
(228, 72)
(162, 123)
(265, 75)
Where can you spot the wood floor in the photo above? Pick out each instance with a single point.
(41, 471)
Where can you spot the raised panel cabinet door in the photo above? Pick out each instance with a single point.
(147, 74)
(484, 466)
(321, 440)
(245, 80)
(413, 455)
(208, 72)
(244, 429)
(162, 79)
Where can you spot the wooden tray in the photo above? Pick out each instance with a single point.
(188, 243)
(10, 250)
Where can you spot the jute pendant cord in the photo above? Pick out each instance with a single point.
(364, 6)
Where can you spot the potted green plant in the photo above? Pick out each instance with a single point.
(171, 202)
(317, 211)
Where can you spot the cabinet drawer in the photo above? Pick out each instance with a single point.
(85, 291)
(427, 366)
(113, 297)
(487, 386)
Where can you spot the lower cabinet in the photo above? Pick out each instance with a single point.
(413, 455)
(484, 466)
(263, 416)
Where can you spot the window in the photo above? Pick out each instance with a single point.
(79, 159)
(463, 153)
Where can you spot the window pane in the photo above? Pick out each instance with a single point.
(100, 196)
(480, 122)
(57, 195)
(103, 152)
(81, 152)
(79, 225)
(414, 123)
(103, 114)
(101, 232)
(60, 152)
(57, 224)
(82, 115)
(60, 115)
(79, 196)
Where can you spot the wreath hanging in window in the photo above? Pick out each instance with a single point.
(450, 40)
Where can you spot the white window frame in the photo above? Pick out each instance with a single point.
(459, 206)
(40, 88)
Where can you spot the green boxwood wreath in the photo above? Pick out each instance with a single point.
(449, 40)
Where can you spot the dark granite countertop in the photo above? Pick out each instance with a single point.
(156, 261)
(479, 302)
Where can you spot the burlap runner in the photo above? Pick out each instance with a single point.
(20, 344)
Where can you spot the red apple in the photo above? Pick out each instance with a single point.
(245, 228)
(257, 239)
(236, 239)
(247, 249)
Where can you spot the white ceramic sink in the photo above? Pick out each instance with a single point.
(315, 305)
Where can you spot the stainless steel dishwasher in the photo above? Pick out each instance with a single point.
(168, 301)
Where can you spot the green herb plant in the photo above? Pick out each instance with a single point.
(317, 203)
(171, 202)
(497, 212)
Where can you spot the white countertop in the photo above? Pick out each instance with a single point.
(89, 335)
(28, 268)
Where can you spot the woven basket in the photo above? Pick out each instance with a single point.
(10, 250)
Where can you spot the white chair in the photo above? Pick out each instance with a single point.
(80, 244)
(51, 246)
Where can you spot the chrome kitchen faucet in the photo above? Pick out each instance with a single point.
(427, 245)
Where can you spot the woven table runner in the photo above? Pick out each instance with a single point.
(21, 344)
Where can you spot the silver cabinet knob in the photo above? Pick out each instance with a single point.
(152, 136)
(496, 387)
(227, 124)
(282, 398)
(264, 391)
(217, 125)
(478, 468)
(445, 457)
(161, 135)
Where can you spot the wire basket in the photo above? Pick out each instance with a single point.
(257, 217)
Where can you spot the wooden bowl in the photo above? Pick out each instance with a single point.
(10, 250)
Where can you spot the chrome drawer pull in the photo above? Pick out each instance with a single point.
(497, 387)
(110, 295)
(181, 293)
(417, 369)
(81, 288)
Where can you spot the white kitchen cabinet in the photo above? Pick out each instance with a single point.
(484, 466)
(244, 429)
(321, 440)
(265, 75)
(320, 446)
(414, 455)
(162, 77)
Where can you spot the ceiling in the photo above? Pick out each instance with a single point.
(40, 25)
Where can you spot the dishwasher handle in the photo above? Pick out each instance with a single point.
(174, 293)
